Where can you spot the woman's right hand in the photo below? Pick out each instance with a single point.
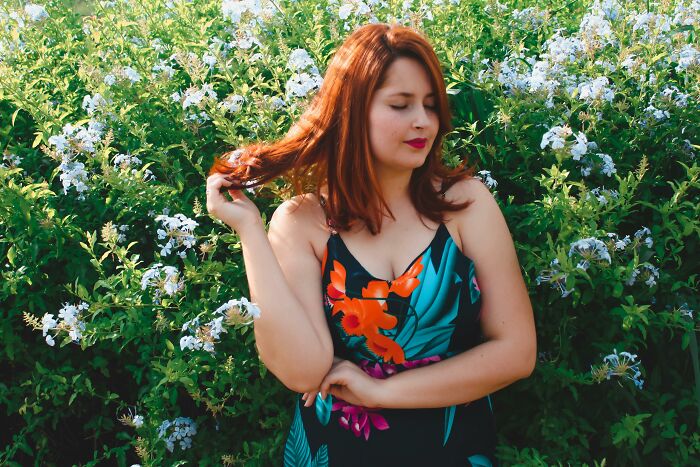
(238, 213)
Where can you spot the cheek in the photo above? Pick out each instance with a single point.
(384, 127)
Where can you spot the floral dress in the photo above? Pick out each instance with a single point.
(427, 314)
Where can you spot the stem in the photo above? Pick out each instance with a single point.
(696, 368)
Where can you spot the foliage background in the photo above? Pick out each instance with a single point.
(532, 85)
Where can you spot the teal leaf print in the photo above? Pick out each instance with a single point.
(297, 452)
(477, 460)
(321, 459)
(474, 290)
(449, 418)
(323, 409)
(429, 334)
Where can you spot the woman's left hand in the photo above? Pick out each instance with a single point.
(350, 383)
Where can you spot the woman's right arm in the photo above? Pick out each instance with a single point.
(284, 277)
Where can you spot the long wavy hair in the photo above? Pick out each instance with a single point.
(329, 144)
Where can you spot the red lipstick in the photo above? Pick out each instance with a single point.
(417, 142)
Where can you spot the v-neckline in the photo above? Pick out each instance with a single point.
(410, 265)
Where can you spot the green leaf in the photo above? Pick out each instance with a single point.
(37, 140)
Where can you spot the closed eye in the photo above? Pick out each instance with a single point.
(399, 107)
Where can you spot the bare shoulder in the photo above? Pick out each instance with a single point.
(300, 218)
(481, 225)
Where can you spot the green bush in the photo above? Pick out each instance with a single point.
(123, 302)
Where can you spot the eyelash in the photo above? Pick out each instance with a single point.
(398, 107)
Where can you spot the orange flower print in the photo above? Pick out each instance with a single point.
(366, 315)
(385, 348)
(407, 282)
(336, 287)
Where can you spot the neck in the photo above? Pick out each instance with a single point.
(395, 189)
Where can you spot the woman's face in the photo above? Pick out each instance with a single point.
(402, 111)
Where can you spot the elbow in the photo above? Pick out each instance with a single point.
(306, 382)
(306, 377)
(528, 366)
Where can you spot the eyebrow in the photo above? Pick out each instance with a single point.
(408, 94)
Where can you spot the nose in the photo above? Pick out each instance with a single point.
(421, 119)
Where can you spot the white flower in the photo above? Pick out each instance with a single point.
(179, 230)
(580, 147)
(209, 59)
(131, 74)
(644, 231)
(301, 84)
(299, 59)
(183, 430)
(596, 90)
(608, 167)
(35, 12)
(92, 103)
(555, 137)
(485, 176)
(171, 284)
(110, 79)
(345, 11)
(233, 103)
(590, 249)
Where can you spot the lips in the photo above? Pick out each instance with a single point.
(417, 142)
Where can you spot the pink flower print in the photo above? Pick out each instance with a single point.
(358, 419)
(476, 284)
(421, 362)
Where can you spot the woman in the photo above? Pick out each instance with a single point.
(396, 349)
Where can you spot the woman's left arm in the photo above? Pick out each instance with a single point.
(510, 349)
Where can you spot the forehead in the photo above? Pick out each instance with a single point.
(406, 76)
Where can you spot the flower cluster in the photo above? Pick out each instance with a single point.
(531, 17)
(35, 13)
(93, 103)
(555, 277)
(170, 284)
(10, 160)
(179, 230)
(548, 71)
(203, 337)
(306, 77)
(193, 100)
(232, 103)
(68, 321)
(618, 365)
(183, 429)
(131, 419)
(124, 162)
(617, 243)
(114, 234)
(485, 177)
(556, 136)
(645, 272)
(602, 195)
(596, 90)
(590, 250)
(72, 141)
(357, 8)
(257, 10)
(76, 139)
(239, 312)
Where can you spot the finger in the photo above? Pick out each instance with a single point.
(304, 396)
(312, 398)
(326, 385)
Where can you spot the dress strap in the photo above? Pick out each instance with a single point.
(329, 221)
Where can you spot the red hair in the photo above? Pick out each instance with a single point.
(329, 144)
